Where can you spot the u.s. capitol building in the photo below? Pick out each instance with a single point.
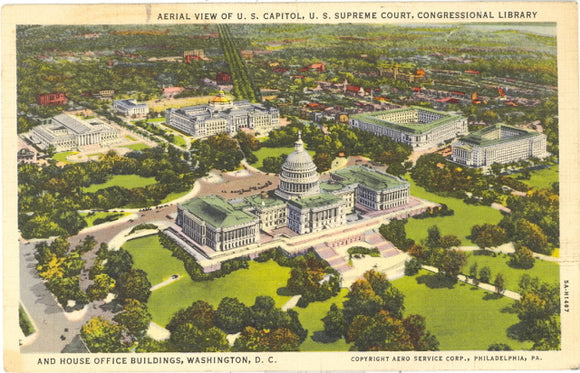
(301, 203)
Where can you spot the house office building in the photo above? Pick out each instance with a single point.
(66, 132)
(421, 128)
(500, 143)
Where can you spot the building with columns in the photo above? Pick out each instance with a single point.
(131, 108)
(301, 203)
(499, 143)
(222, 115)
(419, 127)
(213, 222)
(66, 132)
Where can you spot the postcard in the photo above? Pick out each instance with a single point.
(361, 186)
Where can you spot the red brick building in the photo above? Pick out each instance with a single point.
(51, 99)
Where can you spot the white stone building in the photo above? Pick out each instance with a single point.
(222, 115)
(213, 222)
(131, 108)
(66, 132)
(498, 144)
(419, 127)
(301, 203)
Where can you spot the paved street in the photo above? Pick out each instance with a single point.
(42, 307)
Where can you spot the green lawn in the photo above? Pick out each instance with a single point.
(245, 284)
(25, 323)
(179, 141)
(311, 319)
(156, 120)
(172, 196)
(546, 271)
(61, 157)
(541, 178)
(459, 224)
(273, 152)
(136, 146)
(97, 215)
(147, 253)
(126, 181)
(130, 138)
(463, 317)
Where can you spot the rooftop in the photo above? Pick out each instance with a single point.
(415, 128)
(370, 178)
(315, 201)
(493, 135)
(217, 211)
(264, 201)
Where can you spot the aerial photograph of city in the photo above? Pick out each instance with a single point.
(229, 187)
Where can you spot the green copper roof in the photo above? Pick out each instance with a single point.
(332, 187)
(315, 201)
(485, 136)
(372, 179)
(259, 201)
(216, 211)
(416, 129)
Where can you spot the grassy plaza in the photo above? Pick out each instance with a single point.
(459, 224)
(543, 178)
(90, 219)
(245, 284)
(125, 181)
(547, 271)
(462, 317)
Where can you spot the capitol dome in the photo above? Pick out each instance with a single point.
(298, 177)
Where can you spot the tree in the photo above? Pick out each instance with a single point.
(133, 285)
(421, 339)
(118, 262)
(539, 312)
(499, 347)
(473, 274)
(103, 284)
(485, 274)
(256, 340)
(532, 236)
(522, 258)
(135, 318)
(323, 161)
(231, 315)
(449, 241)
(452, 263)
(190, 338)
(488, 235)
(87, 244)
(433, 237)
(499, 283)
(334, 323)
(395, 232)
(101, 335)
(412, 267)
(201, 314)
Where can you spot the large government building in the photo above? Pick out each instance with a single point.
(222, 115)
(302, 203)
(67, 132)
(498, 144)
(422, 128)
